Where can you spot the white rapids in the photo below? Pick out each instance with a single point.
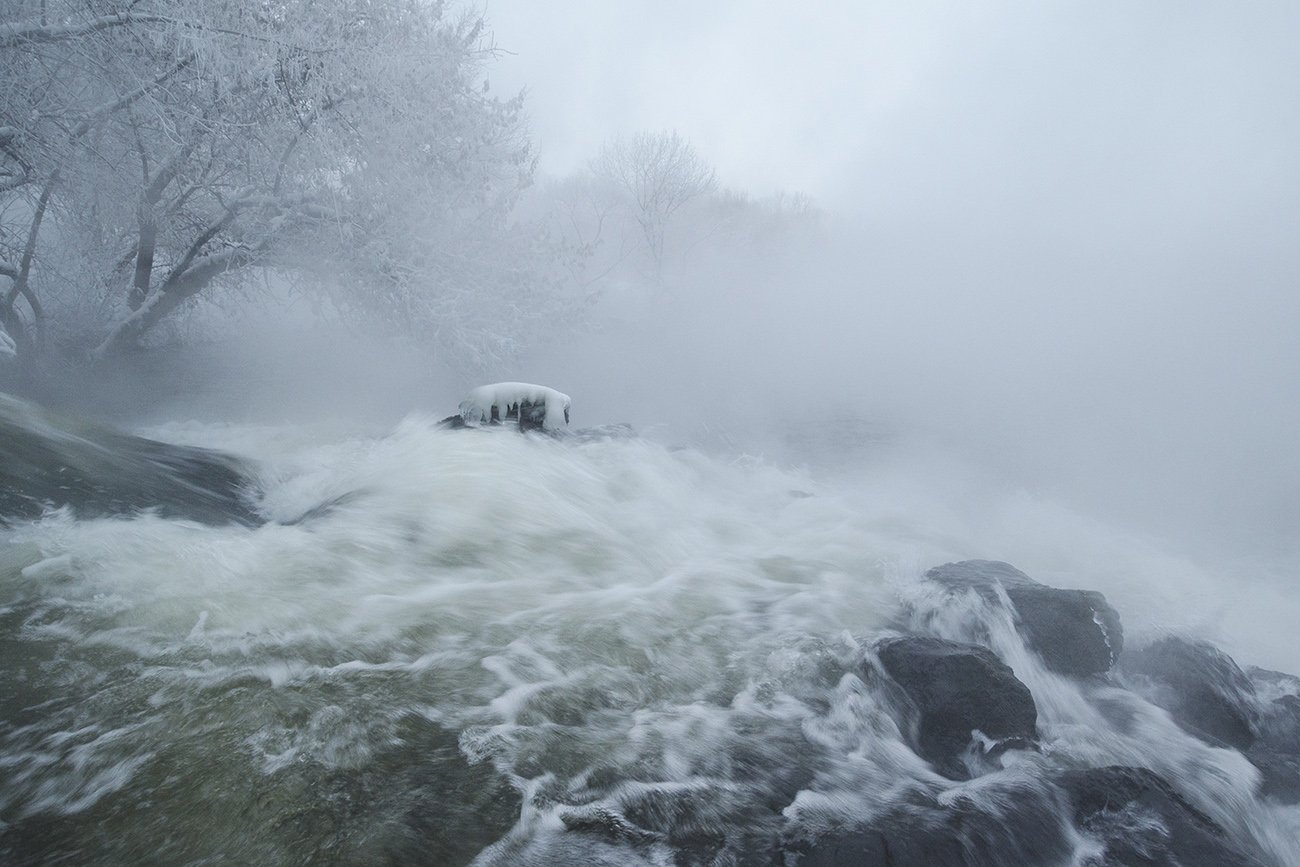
(444, 639)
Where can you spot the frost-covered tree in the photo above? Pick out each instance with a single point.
(714, 232)
(658, 173)
(156, 151)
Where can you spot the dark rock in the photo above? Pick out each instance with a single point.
(1142, 820)
(1013, 826)
(48, 461)
(958, 689)
(1201, 687)
(1075, 632)
(1276, 751)
(532, 422)
(454, 422)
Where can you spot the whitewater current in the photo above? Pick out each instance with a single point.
(447, 646)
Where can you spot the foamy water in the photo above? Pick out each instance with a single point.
(449, 642)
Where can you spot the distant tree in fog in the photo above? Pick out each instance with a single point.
(156, 151)
(715, 232)
(659, 173)
(587, 214)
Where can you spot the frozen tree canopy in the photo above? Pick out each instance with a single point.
(155, 154)
(513, 399)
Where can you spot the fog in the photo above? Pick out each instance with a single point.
(1064, 239)
(1059, 259)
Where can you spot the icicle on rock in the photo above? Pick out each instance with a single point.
(534, 407)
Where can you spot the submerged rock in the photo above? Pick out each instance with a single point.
(1005, 825)
(1008, 822)
(48, 461)
(732, 812)
(1205, 692)
(1075, 632)
(959, 689)
(1141, 820)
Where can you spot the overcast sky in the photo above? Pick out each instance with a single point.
(1075, 226)
(828, 97)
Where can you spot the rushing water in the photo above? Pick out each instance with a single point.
(456, 644)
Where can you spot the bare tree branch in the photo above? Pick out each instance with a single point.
(660, 172)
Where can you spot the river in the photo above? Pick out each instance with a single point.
(451, 645)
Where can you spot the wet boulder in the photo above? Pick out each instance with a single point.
(1141, 820)
(1276, 751)
(47, 461)
(1205, 692)
(959, 689)
(1074, 632)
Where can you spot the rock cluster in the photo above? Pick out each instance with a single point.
(1256, 712)
(963, 710)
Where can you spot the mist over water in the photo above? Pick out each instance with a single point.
(1063, 237)
(1062, 429)
(1162, 412)
(1051, 320)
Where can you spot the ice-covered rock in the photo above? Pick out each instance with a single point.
(533, 405)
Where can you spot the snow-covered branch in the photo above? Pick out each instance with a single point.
(36, 32)
(31, 32)
(180, 286)
(113, 106)
(190, 144)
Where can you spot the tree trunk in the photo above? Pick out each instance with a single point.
(143, 257)
(21, 285)
(183, 284)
